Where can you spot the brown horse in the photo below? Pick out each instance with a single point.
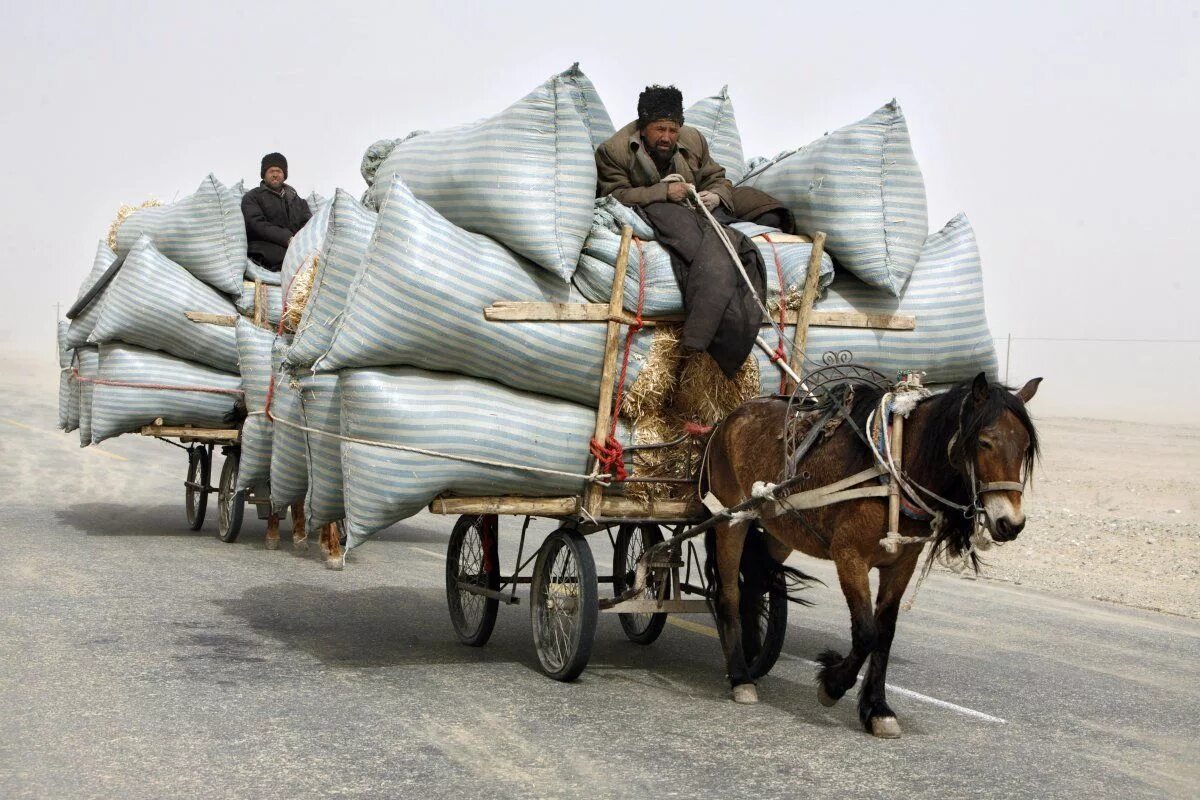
(956, 444)
(329, 538)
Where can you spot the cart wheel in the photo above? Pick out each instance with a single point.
(472, 559)
(564, 604)
(764, 625)
(232, 502)
(195, 499)
(632, 541)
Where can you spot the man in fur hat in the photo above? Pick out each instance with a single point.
(273, 212)
(633, 166)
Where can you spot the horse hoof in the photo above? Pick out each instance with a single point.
(335, 563)
(745, 694)
(885, 727)
(300, 544)
(823, 697)
(272, 544)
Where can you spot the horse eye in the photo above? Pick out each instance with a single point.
(984, 444)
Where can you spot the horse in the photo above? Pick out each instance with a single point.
(968, 449)
(329, 538)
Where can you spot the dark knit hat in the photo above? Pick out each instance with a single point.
(273, 160)
(660, 102)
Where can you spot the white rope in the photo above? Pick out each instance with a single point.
(603, 480)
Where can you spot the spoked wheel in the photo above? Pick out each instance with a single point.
(232, 502)
(473, 561)
(563, 604)
(764, 625)
(195, 498)
(632, 541)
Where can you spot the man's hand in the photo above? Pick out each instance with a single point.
(710, 199)
(678, 192)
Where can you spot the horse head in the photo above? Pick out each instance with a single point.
(996, 446)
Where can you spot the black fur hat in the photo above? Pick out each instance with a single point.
(273, 160)
(660, 102)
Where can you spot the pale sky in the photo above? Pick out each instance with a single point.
(1067, 132)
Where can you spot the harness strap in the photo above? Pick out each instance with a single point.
(837, 492)
(1001, 486)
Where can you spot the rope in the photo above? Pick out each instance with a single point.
(779, 351)
(156, 386)
(602, 479)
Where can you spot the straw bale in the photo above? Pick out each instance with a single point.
(706, 395)
(298, 294)
(122, 214)
(659, 376)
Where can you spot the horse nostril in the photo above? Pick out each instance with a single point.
(1008, 530)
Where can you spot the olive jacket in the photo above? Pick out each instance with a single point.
(626, 171)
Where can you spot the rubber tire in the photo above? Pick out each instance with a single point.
(195, 501)
(231, 502)
(477, 635)
(623, 576)
(775, 611)
(587, 607)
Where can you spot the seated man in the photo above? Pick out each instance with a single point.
(273, 212)
(723, 317)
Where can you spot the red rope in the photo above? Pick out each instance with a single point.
(780, 354)
(158, 386)
(270, 397)
(609, 455)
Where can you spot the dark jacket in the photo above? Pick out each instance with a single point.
(272, 218)
(626, 171)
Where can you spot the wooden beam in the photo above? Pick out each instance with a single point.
(185, 432)
(628, 508)
(807, 298)
(224, 320)
(260, 304)
(536, 311)
(533, 506)
(784, 238)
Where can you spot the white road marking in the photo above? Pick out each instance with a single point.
(708, 630)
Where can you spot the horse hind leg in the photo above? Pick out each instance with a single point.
(331, 546)
(838, 674)
(725, 552)
(272, 541)
(299, 532)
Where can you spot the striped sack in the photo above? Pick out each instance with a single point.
(945, 294)
(146, 385)
(204, 233)
(145, 305)
(713, 117)
(338, 264)
(304, 245)
(81, 326)
(320, 408)
(87, 365)
(419, 298)
(254, 347)
(68, 389)
(862, 186)
(272, 300)
(591, 107)
(289, 455)
(525, 177)
(458, 416)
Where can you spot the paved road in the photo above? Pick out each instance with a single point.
(138, 659)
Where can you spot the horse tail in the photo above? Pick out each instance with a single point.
(759, 572)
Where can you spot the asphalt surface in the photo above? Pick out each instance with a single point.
(141, 660)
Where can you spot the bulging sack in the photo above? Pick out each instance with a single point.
(254, 347)
(320, 406)
(458, 416)
(525, 177)
(81, 327)
(289, 455)
(304, 245)
(145, 305)
(136, 386)
(68, 389)
(860, 185)
(419, 301)
(338, 264)
(951, 341)
(87, 361)
(591, 107)
(713, 117)
(272, 300)
(204, 233)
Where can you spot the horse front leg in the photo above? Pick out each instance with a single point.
(730, 539)
(873, 710)
(331, 546)
(299, 532)
(272, 542)
(838, 674)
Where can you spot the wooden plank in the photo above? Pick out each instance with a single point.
(536, 311)
(627, 508)
(809, 296)
(224, 320)
(608, 372)
(533, 506)
(197, 434)
(784, 238)
(260, 304)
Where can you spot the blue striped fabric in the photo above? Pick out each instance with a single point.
(145, 305)
(951, 341)
(349, 232)
(862, 186)
(597, 266)
(204, 233)
(244, 302)
(68, 389)
(254, 346)
(419, 299)
(124, 409)
(260, 273)
(456, 415)
(289, 456)
(81, 327)
(713, 117)
(320, 406)
(87, 360)
(591, 107)
(305, 244)
(525, 177)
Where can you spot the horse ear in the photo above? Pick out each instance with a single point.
(1027, 391)
(979, 389)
